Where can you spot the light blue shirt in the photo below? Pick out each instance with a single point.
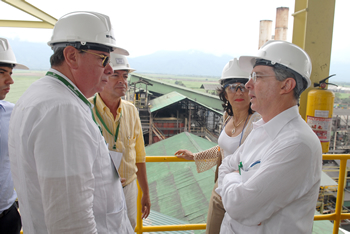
(7, 192)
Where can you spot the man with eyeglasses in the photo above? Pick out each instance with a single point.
(121, 127)
(64, 176)
(271, 183)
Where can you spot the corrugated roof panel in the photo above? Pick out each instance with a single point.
(172, 98)
(166, 100)
(176, 189)
(155, 219)
(184, 140)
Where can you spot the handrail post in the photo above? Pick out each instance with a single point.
(340, 193)
(139, 223)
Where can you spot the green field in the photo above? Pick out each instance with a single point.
(192, 82)
(342, 95)
(23, 79)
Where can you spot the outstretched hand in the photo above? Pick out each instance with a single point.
(185, 154)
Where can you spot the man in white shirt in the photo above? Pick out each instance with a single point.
(64, 176)
(10, 219)
(271, 183)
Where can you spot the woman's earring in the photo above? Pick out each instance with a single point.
(226, 104)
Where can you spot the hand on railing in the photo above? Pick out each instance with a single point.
(185, 154)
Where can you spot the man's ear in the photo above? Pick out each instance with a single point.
(288, 85)
(71, 56)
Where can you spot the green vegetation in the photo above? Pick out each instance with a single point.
(192, 82)
(22, 79)
(344, 84)
(179, 77)
(342, 95)
(342, 98)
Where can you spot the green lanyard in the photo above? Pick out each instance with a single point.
(104, 124)
(71, 87)
(75, 91)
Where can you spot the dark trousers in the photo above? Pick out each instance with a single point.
(10, 221)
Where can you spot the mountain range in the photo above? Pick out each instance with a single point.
(36, 56)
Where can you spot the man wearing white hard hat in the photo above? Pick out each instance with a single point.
(10, 219)
(64, 176)
(271, 183)
(121, 127)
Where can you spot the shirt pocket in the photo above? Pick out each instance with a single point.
(132, 142)
(246, 174)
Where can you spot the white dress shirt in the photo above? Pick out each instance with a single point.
(62, 171)
(280, 176)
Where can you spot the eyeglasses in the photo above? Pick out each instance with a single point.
(105, 58)
(232, 88)
(254, 76)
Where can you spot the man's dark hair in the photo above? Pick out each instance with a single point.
(57, 58)
(283, 73)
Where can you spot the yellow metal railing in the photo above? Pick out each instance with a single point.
(336, 217)
(181, 227)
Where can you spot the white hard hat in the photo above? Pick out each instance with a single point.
(7, 56)
(120, 62)
(233, 71)
(284, 53)
(85, 30)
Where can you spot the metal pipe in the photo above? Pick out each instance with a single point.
(301, 11)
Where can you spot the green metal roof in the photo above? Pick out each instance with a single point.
(174, 97)
(322, 226)
(163, 88)
(176, 189)
(166, 100)
(155, 219)
(184, 140)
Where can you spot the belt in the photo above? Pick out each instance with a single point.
(6, 211)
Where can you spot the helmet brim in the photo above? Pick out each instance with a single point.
(118, 50)
(20, 66)
(123, 69)
(247, 63)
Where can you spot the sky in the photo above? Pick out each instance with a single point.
(144, 27)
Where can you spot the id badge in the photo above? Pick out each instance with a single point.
(116, 159)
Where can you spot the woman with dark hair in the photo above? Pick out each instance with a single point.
(238, 118)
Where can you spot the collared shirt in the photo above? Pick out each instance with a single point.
(280, 176)
(130, 138)
(7, 193)
(62, 171)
